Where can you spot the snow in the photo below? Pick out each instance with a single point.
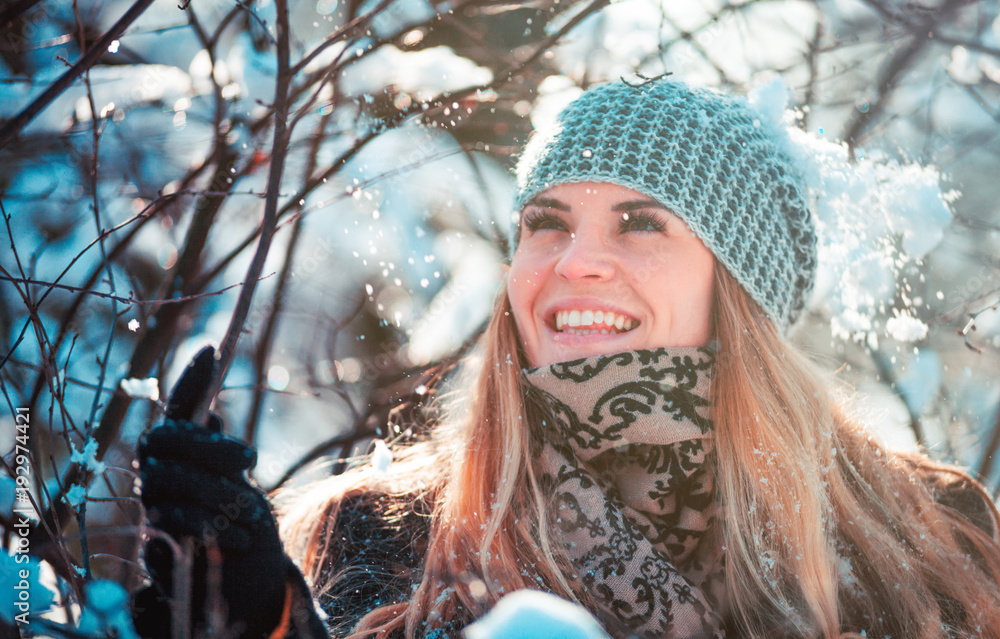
(625, 38)
(919, 210)
(422, 74)
(530, 614)
(141, 388)
(381, 457)
(554, 94)
(873, 216)
(76, 495)
(398, 16)
(625, 26)
(880, 216)
(877, 404)
(905, 328)
(127, 86)
(88, 457)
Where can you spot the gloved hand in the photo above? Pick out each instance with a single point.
(194, 487)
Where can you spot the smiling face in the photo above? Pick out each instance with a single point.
(601, 269)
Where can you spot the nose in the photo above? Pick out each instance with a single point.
(586, 256)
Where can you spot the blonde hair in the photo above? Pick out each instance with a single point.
(819, 522)
(818, 518)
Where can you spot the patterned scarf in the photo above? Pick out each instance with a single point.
(627, 449)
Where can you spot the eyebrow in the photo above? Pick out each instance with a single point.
(621, 207)
(550, 203)
(635, 205)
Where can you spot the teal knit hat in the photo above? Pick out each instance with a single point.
(705, 156)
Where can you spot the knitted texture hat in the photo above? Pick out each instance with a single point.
(705, 156)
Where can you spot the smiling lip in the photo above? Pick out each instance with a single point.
(576, 319)
(588, 317)
(584, 343)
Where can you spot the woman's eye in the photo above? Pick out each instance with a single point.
(542, 220)
(641, 221)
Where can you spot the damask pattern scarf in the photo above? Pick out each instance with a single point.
(627, 450)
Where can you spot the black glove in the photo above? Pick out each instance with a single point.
(194, 487)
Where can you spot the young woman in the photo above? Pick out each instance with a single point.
(638, 436)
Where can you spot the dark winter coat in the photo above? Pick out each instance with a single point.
(378, 543)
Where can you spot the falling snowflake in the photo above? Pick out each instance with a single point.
(905, 328)
(381, 458)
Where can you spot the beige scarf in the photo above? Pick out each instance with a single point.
(627, 449)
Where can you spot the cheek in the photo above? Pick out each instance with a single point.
(694, 292)
(679, 279)
(703, 276)
(522, 287)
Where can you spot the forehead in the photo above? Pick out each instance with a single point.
(591, 193)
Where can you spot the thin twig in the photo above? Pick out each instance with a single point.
(12, 127)
(66, 378)
(968, 44)
(340, 34)
(812, 60)
(130, 300)
(970, 326)
(95, 204)
(293, 210)
(275, 170)
(267, 336)
(207, 43)
(897, 66)
(240, 4)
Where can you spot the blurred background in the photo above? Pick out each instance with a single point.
(133, 202)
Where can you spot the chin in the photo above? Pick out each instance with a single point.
(558, 353)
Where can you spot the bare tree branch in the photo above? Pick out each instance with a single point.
(895, 67)
(12, 127)
(276, 168)
(266, 339)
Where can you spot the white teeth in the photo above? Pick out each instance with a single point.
(602, 321)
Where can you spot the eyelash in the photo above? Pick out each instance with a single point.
(540, 219)
(536, 219)
(644, 220)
